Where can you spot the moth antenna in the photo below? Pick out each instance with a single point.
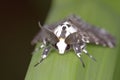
(38, 36)
(39, 24)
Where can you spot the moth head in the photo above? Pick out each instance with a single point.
(62, 31)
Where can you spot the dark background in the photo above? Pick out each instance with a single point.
(18, 26)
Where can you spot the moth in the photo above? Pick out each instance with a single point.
(71, 33)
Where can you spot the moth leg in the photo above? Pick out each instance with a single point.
(77, 50)
(40, 47)
(44, 55)
(85, 51)
(90, 56)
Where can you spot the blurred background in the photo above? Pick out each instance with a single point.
(18, 26)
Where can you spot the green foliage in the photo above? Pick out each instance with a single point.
(104, 13)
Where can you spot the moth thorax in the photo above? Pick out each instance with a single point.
(64, 30)
(61, 46)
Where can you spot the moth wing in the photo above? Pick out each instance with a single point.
(49, 35)
(72, 38)
(45, 34)
(92, 33)
(37, 38)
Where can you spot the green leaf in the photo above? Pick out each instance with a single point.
(103, 13)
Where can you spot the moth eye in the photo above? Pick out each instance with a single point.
(68, 47)
(55, 46)
(68, 25)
